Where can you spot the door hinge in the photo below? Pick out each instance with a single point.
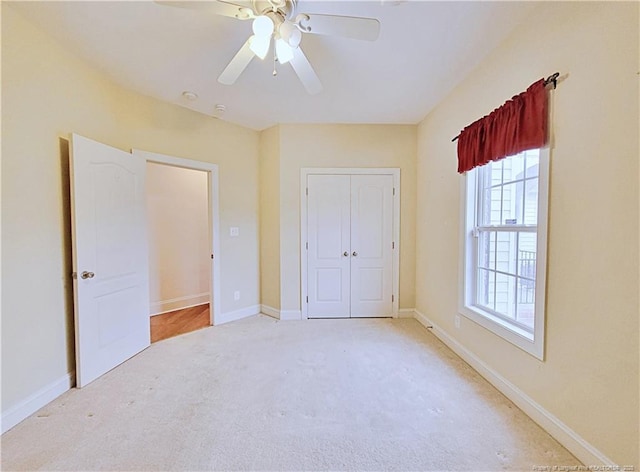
(211, 256)
(392, 298)
(394, 190)
(307, 190)
(307, 245)
(393, 245)
(74, 275)
(307, 298)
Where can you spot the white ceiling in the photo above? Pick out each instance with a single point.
(424, 50)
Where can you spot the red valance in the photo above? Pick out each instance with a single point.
(518, 125)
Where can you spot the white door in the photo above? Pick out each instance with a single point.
(110, 257)
(371, 245)
(349, 257)
(329, 246)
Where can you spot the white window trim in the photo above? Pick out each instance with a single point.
(531, 343)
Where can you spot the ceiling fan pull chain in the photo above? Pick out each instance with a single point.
(275, 72)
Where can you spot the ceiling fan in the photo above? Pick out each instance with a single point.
(277, 21)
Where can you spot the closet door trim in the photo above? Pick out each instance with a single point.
(304, 173)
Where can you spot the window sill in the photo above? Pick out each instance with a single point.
(513, 334)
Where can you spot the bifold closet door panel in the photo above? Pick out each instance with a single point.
(329, 253)
(371, 245)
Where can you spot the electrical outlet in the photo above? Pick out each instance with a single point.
(236, 295)
(234, 231)
(457, 321)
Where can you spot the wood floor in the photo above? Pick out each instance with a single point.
(168, 325)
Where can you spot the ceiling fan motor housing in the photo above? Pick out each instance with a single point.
(282, 8)
(281, 13)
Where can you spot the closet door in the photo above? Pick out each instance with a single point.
(371, 245)
(329, 253)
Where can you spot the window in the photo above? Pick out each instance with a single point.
(505, 248)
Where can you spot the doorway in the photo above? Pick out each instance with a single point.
(110, 252)
(179, 253)
(350, 250)
(199, 303)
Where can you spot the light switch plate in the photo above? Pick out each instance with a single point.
(234, 231)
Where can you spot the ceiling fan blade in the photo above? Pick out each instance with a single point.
(346, 26)
(217, 7)
(305, 72)
(238, 64)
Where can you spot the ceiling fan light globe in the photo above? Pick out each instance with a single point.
(263, 26)
(260, 45)
(295, 38)
(283, 51)
(285, 29)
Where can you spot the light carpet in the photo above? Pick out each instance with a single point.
(260, 394)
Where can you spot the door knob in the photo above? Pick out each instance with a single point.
(354, 254)
(87, 275)
(346, 254)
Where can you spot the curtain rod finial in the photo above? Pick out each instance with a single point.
(552, 79)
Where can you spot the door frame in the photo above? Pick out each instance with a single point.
(214, 219)
(306, 171)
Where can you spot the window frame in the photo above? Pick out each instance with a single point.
(531, 342)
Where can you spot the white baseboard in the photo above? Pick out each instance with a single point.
(237, 314)
(283, 315)
(577, 445)
(407, 313)
(270, 311)
(165, 306)
(37, 400)
(290, 315)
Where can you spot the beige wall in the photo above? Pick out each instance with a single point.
(589, 379)
(179, 249)
(590, 376)
(344, 146)
(48, 93)
(270, 217)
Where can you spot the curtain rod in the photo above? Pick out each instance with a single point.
(552, 79)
